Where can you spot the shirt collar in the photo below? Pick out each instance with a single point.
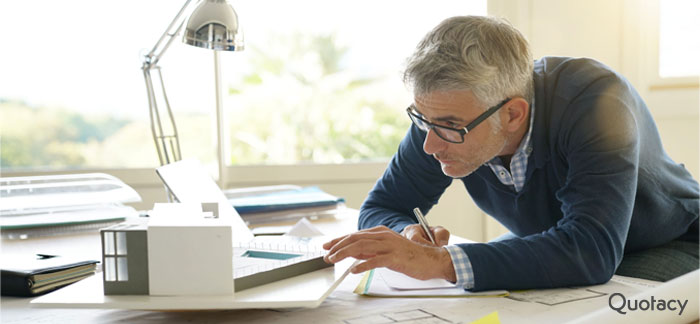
(525, 146)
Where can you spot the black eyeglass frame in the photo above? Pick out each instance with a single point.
(462, 131)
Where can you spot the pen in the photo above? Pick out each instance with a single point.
(423, 223)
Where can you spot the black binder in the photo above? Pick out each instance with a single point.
(33, 275)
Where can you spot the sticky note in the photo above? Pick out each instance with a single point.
(488, 319)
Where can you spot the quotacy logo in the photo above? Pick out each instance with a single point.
(644, 304)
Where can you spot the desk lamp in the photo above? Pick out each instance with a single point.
(213, 24)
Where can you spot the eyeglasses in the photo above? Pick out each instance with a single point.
(449, 134)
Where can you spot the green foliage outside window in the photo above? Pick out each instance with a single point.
(301, 104)
(36, 136)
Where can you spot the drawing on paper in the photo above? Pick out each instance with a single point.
(552, 297)
(405, 317)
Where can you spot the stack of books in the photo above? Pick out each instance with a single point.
(32, 275)
(283, 203)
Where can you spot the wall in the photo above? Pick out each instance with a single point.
(622, 34)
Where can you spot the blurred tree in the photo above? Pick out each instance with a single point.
(302, 105)
(38, 137)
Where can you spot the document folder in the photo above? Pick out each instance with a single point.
(32, 275)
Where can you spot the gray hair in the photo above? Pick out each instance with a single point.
(483, 54)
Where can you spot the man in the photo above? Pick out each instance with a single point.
(562, 152)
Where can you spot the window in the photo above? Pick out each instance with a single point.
(679, 43)
(72, 94)
(319, 82)
(115, 255)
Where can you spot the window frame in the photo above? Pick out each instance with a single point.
(652, 40)
(232, 174)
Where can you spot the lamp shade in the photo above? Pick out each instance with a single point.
(214, 25)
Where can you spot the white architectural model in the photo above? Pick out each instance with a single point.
(178, 250)
(181, 250)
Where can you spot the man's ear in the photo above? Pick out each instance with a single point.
(515, 113)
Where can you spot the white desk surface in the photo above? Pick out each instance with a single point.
(342, 306)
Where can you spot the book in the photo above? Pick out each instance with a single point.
(295, 214)
(283, 200)
(32, 275)
(283, 203)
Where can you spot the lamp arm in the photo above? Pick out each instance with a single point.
(175, 143)
(156, 53)
(167, 145)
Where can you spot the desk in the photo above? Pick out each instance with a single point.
(342, 306)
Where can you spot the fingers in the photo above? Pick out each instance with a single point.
(411, 230)
(422, 240)
(415, 233)
(422, 262)
(376, 262)
(360, 245)
(441, 235)
(410, 253)
(361, 250)
(386, 261)
(330, 244)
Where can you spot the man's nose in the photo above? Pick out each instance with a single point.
(433, 143)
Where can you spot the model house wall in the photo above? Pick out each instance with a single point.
(178, 250)
(125, 259)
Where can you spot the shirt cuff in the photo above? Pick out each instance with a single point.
(462, 265)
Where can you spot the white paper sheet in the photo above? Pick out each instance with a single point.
(304, 228)
(400, 281)
(683, 289)
(378, 286)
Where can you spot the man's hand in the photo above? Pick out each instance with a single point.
(382, 247)
(415, 233)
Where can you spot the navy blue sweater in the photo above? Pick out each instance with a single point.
(598, 185)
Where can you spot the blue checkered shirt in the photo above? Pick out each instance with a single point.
(515, 178)
(518, 163)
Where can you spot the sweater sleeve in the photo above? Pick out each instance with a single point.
(599, 141)
(412, 179)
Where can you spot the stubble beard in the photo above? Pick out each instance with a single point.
(462, 168)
